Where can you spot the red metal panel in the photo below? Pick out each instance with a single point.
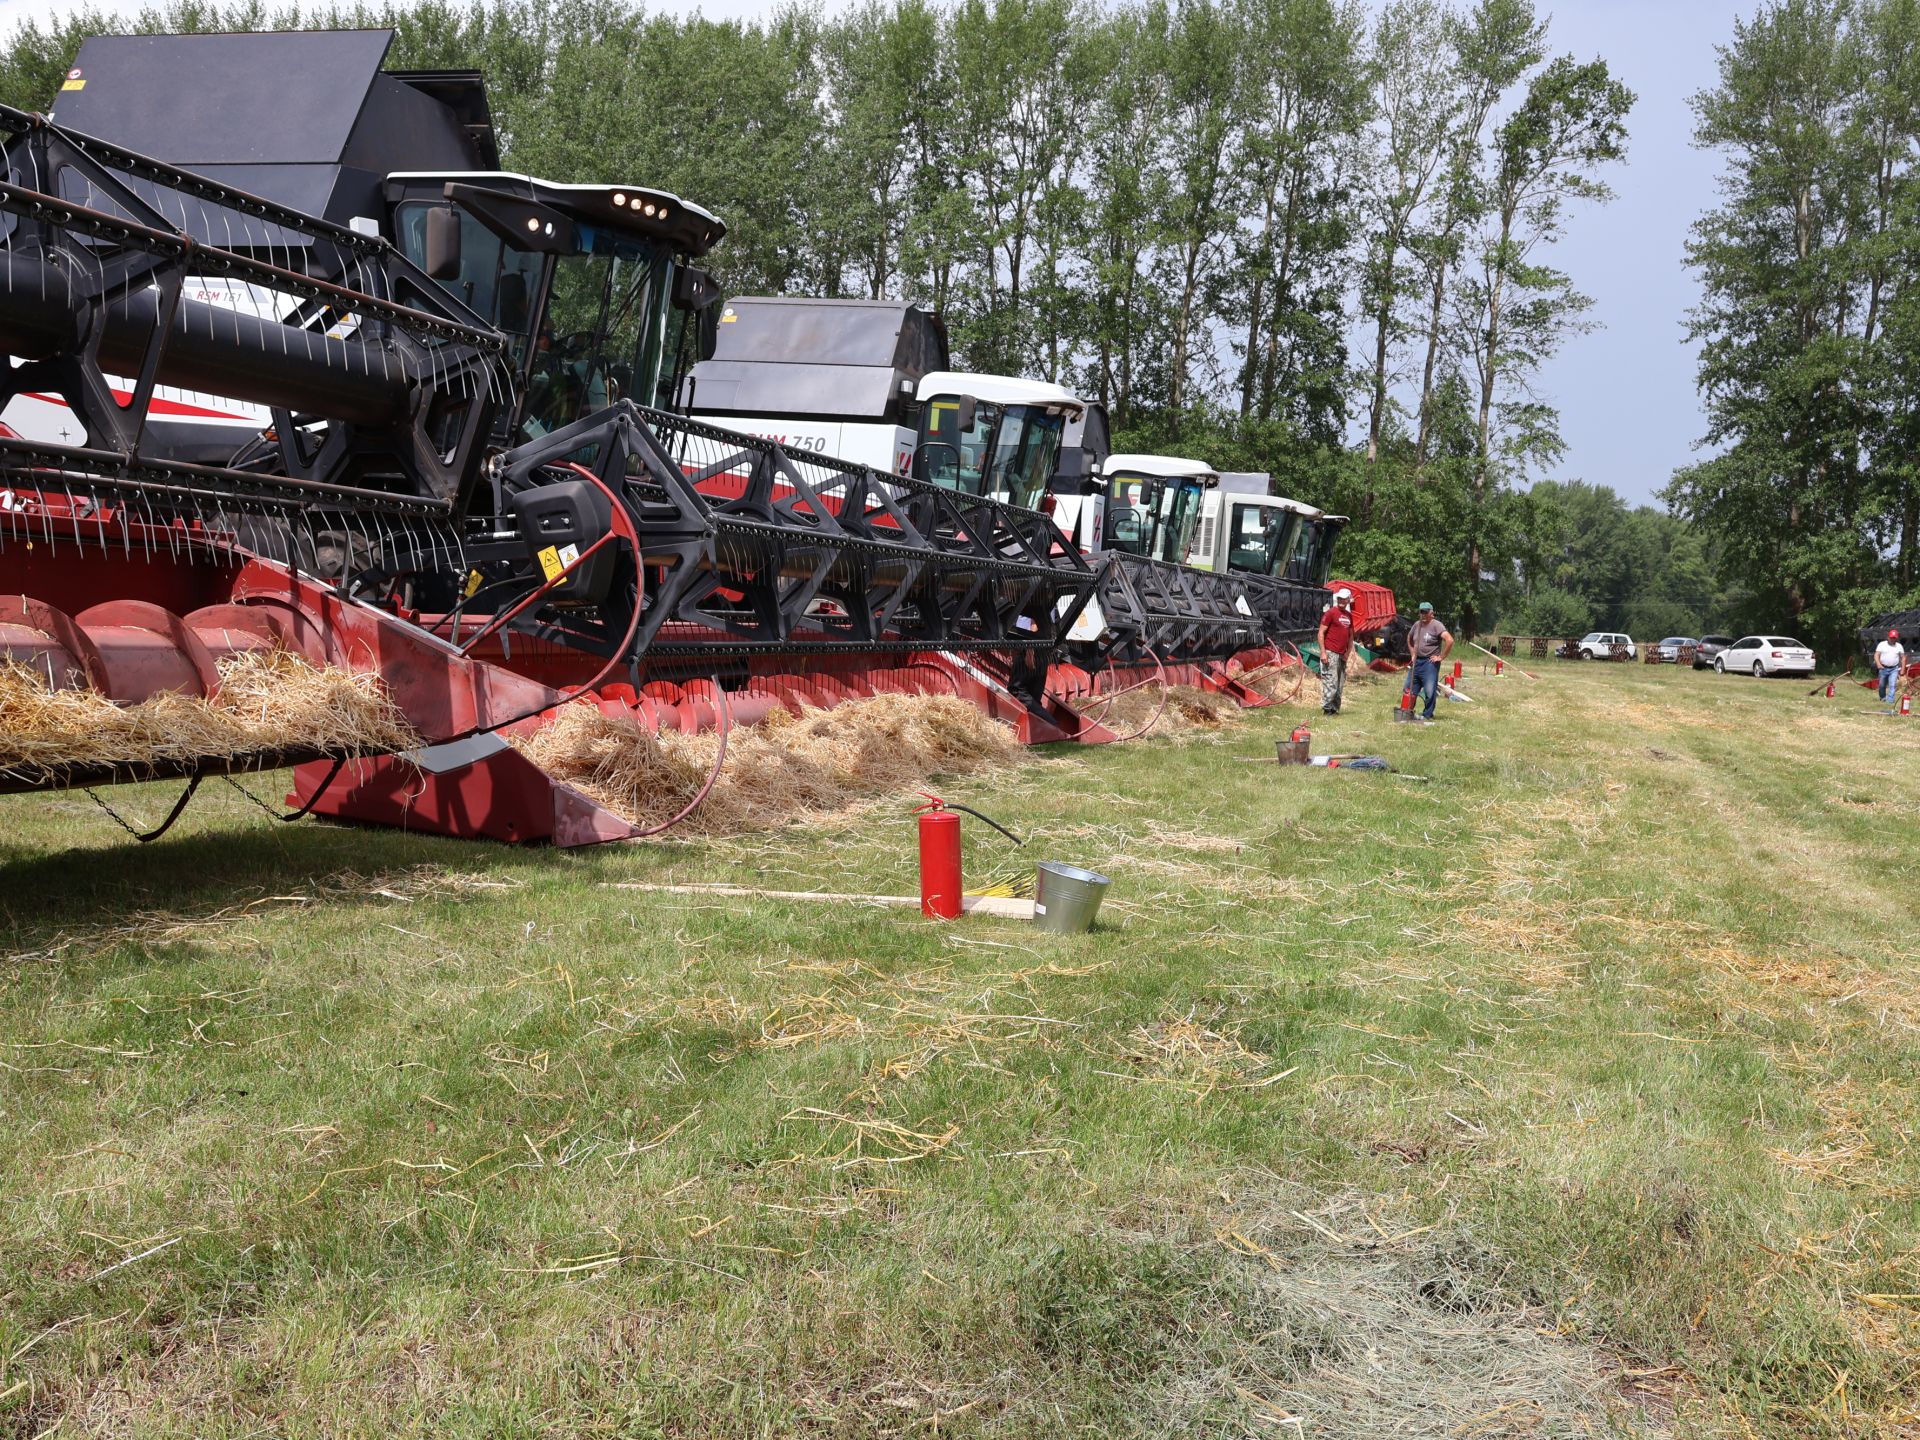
(503, 797)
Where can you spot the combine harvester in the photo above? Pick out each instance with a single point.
(869, 380)
(320, 377)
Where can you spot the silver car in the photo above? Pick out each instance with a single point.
(1667, 652)
(1763, 655)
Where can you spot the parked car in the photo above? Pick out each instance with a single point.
(1667, 652)
(1602, 644)
(1763, 655)
(1709, 646)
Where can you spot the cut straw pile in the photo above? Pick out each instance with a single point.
(784, 768)
(269, 702)
(1187, 707)
(1281, 683)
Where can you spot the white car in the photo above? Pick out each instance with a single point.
(1601, 644)
(1762, 655)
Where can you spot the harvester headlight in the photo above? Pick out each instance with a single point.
(663, 212)
(647, 209)
(533, 224)
(619, 198)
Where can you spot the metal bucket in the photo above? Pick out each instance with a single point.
(1292, 752)
(1066, 897)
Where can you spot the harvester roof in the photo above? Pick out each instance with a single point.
(1000, 390)
(1167, 467)
(630, 209)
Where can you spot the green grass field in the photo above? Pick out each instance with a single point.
(1570, 1091)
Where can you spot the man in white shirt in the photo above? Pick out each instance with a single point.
(1891, 657)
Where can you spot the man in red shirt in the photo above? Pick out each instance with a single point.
(1336, 640)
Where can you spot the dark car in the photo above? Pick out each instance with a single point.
(1709, 647)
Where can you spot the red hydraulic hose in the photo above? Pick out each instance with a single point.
(1166, 691)
(719, 759)
(623, 527)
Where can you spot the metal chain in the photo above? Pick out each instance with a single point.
(267, 809)
(312, 800)
(179, 809)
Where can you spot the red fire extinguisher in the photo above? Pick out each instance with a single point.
(1829, 689)
(940, 855)
(1906, 704)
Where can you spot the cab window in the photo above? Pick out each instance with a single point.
(493, 278)
(952, 456)
(1131, 520)
(1249, 540)
(1024, 455)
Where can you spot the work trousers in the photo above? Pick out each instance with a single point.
(1426, 683)
(1889, 682)
(1333, 681)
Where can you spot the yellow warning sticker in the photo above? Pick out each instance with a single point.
(73, 84)
(473, 584)
(551, 563)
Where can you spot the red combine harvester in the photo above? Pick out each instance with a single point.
(319, 376)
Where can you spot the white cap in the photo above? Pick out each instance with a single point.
(1343, 593)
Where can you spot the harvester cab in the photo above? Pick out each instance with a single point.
(1245, 529)
(583, 280)
(992, 435)
(1153, 504)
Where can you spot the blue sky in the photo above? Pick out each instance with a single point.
(1626, 392)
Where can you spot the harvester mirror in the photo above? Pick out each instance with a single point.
(964, 410)
(443, 243)
(513, 303)
(693, 288)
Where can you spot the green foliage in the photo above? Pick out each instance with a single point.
(1551, 611)
(1181, 208)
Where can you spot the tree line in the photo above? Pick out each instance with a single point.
(1809, 319)
(1309, 237)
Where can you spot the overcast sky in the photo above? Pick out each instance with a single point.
(1625, 393)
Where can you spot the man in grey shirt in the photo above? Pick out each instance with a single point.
(1430, 643)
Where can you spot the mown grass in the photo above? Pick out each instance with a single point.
(1567, 1091)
